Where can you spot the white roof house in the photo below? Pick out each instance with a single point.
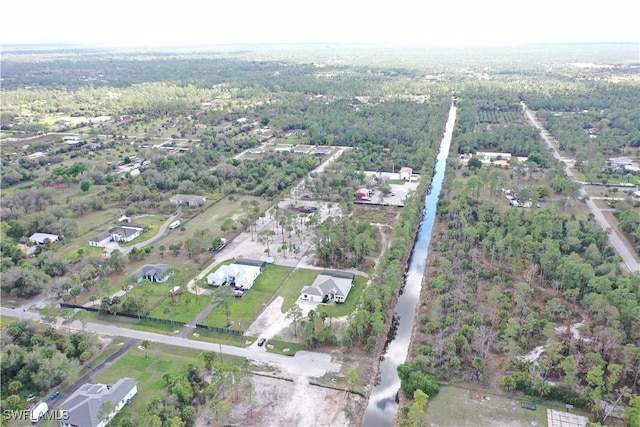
(84, 405)
(241, 274)
(329, 285)
(41, 238)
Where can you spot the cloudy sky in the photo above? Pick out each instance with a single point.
(206, 22)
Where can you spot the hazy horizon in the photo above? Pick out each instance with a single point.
(465, 23)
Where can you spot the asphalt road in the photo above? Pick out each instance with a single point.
(304, 363)
(628, 259)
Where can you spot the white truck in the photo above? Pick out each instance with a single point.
(39, 411)
(174, 225)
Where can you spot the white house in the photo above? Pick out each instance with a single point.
(154, 273)
(41, 238)
(329, 285)
(405, 173)
(636, 196)
(187, 200)
(120, 233)
(84, 405)
(240, 274)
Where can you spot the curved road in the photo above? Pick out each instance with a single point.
(628, 258)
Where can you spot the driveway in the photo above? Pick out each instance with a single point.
(615, 239)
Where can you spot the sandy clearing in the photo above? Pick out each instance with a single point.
(284, 403)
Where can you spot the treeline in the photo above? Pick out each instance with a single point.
(35, 359)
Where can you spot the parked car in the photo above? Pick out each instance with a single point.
(261, 342)
(54, 395)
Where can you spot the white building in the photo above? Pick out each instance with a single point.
(41, 238)
(241, 274)
(121, 233)
(329, 286)
(85, 407)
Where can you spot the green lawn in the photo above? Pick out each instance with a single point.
(244, 310)
(293, 284)
(279, 347)
(5, 320)
(397, 181)
(352, 300)
(218, 337)
(187, 307)
(148, 370)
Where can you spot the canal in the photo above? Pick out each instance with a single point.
(382, 406)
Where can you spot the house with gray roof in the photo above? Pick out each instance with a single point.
(125, 232)
(85, 406)
(329, 286)
(187, 200)
(154, 273)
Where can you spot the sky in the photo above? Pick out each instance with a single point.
(137, 23)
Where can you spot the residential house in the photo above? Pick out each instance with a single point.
(329, 286)
(241, 274)
(320, 152)
(405, 173)
(85, 407)
(187, 200)
(124, 232)
(71, 139)
(241, 121)
(42, 238)
(154, 273)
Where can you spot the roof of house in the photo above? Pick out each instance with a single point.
(41, 237)
(338, 282)
(187, 198)
(102, 236)
(406, 170)
(125, 231)
(83, 406)
(156, 270)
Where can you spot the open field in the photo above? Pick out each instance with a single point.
(458, 407)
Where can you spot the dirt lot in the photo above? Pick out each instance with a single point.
(284, 403)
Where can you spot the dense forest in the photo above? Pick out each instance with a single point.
(502, 281)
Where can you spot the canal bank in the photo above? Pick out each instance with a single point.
(382, 407)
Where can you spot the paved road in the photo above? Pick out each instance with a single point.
(628, 258)
(305, 363)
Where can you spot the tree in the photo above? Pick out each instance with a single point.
(296, 316)
(145, 345)
(474, 163)
(417, 416)
(85, 185)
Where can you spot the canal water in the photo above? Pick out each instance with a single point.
(382, 406)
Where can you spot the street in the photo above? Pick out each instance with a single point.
(628, 258)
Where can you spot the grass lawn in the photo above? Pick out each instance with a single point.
(188, 306)
(293, 284)
(279, 347)
(397, 181)
(458, 407)
(5, 320)
(148, 370)
(218, 337)
(244, 310)
(347, 307)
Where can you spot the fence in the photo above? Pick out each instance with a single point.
(216, 329)
(129, 315)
